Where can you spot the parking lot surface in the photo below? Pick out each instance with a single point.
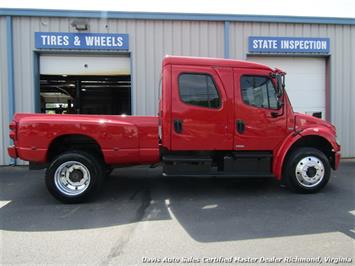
(143, 218)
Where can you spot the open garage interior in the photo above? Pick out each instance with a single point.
(305, 81)
(85, 84)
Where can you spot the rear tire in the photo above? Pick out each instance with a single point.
(74, 177)
(307, 170)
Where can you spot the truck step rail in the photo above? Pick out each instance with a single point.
(186, 158)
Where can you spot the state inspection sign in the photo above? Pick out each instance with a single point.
(288, 45)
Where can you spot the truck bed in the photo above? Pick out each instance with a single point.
(121, 139)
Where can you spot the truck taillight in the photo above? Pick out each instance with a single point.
(12, 133)
(12, 125)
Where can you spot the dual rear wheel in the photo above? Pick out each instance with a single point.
(75, 176)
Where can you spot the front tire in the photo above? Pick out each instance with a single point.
(74, 177)
(307, 170)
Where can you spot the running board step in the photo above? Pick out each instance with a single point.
(186, 158)
(181, 164)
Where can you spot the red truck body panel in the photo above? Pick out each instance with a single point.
(134, 139)
(203, 128)
(122, 139)
(306, 125)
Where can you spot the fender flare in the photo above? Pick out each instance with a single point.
(280, 154)
(57, 137)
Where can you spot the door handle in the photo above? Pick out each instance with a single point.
(178, 126)
(240, 126)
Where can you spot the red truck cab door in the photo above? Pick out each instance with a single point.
(260, 124)
(201, 114)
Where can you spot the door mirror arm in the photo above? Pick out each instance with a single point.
(280, 105)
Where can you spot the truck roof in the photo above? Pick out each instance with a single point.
(207, 61)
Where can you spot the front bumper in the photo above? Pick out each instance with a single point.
(11, 150)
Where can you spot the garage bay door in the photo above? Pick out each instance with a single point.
(305, 81)
(88, 65)
(85, 84)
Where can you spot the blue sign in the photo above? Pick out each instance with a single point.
(288, 45)
(86, 41)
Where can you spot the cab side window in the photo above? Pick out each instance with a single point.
(199, 90)
(258, 91)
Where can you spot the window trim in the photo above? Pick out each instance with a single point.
(267, 92)
(214, 83)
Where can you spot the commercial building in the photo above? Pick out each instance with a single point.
(57, 61)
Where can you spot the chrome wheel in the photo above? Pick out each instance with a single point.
(310, 171)
(72, 178)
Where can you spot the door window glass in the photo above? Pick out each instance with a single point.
(258, 91)
(199, 90)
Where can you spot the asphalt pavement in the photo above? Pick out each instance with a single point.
(141, 218)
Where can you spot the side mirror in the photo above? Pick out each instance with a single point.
(280, 86)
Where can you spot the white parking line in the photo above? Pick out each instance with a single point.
(4, 203)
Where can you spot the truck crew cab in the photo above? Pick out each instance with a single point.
(217, 117)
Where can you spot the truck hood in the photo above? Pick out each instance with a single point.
(303, 121)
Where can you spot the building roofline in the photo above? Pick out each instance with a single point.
(172, 16)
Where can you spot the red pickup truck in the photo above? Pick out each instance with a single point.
(217, 117)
